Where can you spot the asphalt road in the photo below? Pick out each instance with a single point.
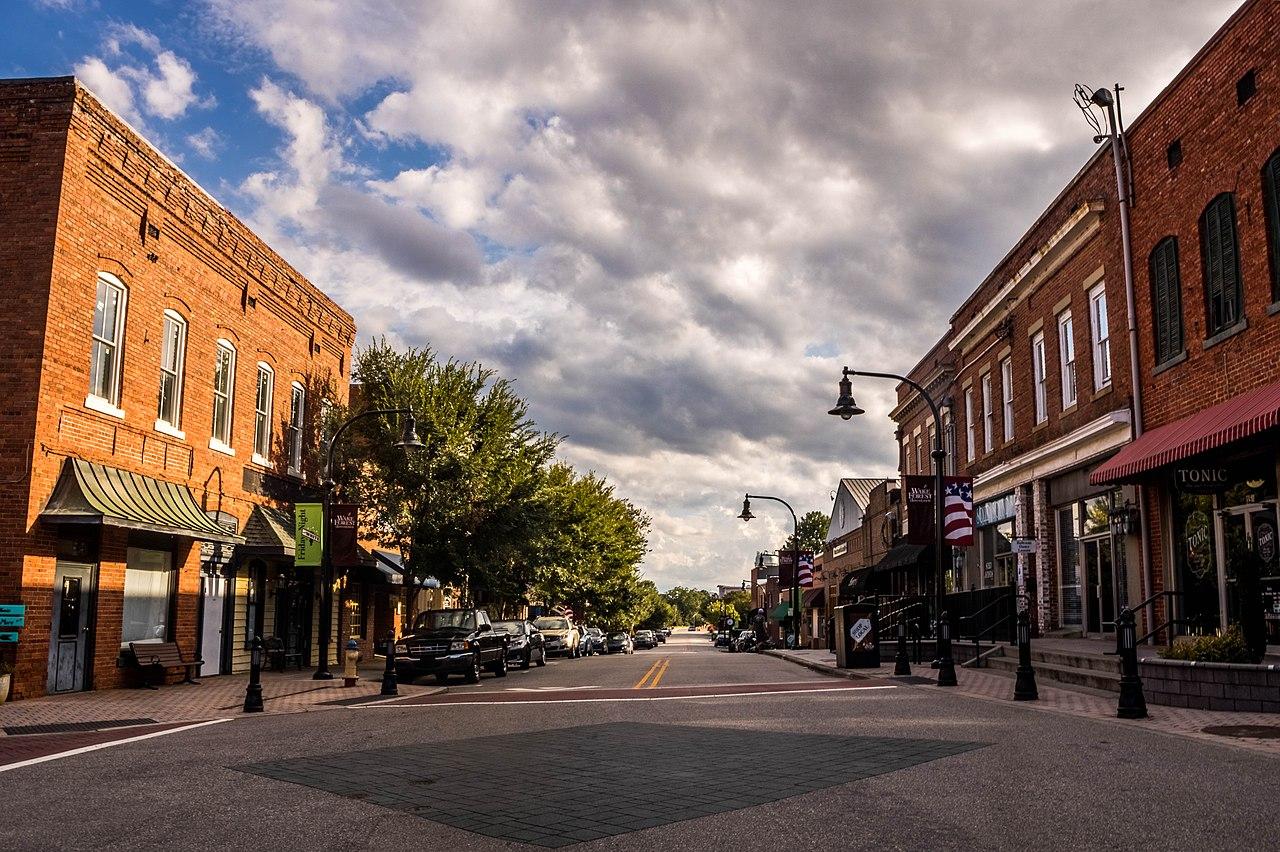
(587, 749)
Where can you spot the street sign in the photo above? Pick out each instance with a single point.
(12, 621)
(1025, 545)
(13, 609)
(8, 637)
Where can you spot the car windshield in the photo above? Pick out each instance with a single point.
(620, 637)
(594, 631)
(552, 624)
(463, 619)
(516, 627)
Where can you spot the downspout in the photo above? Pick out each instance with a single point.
(1119, 158)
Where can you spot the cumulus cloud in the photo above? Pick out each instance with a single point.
(144, 80)
(205, 142)
(672, 223)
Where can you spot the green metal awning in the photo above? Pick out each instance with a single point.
(781, 611)
(89, 493)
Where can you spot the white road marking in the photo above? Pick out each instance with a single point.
(96, 746)
(840, 689)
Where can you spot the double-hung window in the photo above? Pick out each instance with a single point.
(173, 353)
(1038, 378)
(988, 414)
(1220, 256)
(1006, 396)
(262, 414)
(1100, 336)
(224, 390)
(107, 350)
(1067, 358)
(969, 450)
(297, 416)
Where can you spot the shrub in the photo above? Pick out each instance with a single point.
(1227, 646)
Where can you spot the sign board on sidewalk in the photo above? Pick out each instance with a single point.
(1025, 545)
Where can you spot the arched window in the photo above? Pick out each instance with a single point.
(224, 394)
(262, 413)
(107, 351)
(297, 419)
(1220, 257)
(1166, 300)
(173, 353)
(1271, 202)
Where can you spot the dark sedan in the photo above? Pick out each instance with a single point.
(618, 643)
(526, 646)
(644, 639)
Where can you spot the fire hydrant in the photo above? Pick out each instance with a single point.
(349, 673)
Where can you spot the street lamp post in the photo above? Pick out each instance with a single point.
(845, 409)
(795, 554)
(408, 441)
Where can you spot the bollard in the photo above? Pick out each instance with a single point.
(1132, 705)
(901, 664)
(389, 676)
(253, 693)
(946, 666)
(1024, 688)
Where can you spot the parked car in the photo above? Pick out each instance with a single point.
(660, 636)
(644, 639)
(452, 641)
(592, 641)
(526, 645)
(619, 643)
(559, 633)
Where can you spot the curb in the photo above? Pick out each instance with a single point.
(818, 667)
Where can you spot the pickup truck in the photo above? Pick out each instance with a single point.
(451, 641)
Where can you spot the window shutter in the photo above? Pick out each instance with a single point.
(1166, 298)
(1230, 265)
(1271, 203)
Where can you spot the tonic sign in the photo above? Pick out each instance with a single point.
(1202, 480)
(1264, 542)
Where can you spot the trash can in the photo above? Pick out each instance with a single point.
(857, 636)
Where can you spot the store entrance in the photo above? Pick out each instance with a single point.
(1100, 584)
(1249, 566)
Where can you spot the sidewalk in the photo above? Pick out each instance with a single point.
(987, 685)
(219, 696)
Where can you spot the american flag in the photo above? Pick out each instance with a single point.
(806, 569)
(957, 510)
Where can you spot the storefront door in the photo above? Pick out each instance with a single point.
(1100, 601)
(72, 630)
(293, 616)
(213, 597)
(1248, 564)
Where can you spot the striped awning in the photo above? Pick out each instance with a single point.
(1214, 427)
(89, 493)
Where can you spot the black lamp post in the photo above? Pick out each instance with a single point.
(795, 554)
(408, 441)
(845, 409)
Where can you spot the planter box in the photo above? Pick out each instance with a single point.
(1211, 686)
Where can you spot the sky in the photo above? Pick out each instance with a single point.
(670, 223)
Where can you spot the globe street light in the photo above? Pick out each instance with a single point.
(408, 441)
(846, 409)
(795, 555)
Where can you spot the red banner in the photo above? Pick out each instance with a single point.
(918, 495)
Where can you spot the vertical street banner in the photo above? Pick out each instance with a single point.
(957, 511)
(786, 568)
(308, 534)
(806, 568)
(918, 494)
(344, 519)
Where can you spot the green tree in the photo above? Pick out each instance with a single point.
(813, 532)
(689, 603)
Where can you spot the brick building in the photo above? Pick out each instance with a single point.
(162, 384)
(1206, 245)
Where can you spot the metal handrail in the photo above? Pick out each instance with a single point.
(978, 634)
(1169, 623)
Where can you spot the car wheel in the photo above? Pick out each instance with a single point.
(500, 668)
(473, 673)
(526, 660)
(542, 658)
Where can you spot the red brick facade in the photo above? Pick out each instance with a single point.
(83, 195)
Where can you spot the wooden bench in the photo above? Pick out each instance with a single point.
(162, 656)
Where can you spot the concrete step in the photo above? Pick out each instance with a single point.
(1070, 675)
(1089, 662)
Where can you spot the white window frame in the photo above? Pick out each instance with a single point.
(110, 403)
(262, 414)
(988, 415)
(969, 452)
(1100, 336)
(920, 454)
(1038, 381)
(297, 420)
(222, 442)
(1067, 359)
(172, 425)
(1006, 396)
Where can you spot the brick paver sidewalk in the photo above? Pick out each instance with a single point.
(216, 697)
(1054, 697)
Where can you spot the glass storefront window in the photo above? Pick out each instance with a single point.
(148, 589)
(1071, 603)
(1194, 555)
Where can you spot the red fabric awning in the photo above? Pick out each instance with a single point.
(1217, 426)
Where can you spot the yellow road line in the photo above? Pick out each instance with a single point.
(647, 675)
(665, 663)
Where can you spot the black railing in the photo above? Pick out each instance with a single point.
(1196, 622)
(1000, 612)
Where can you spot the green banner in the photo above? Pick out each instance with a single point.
(308, 534)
